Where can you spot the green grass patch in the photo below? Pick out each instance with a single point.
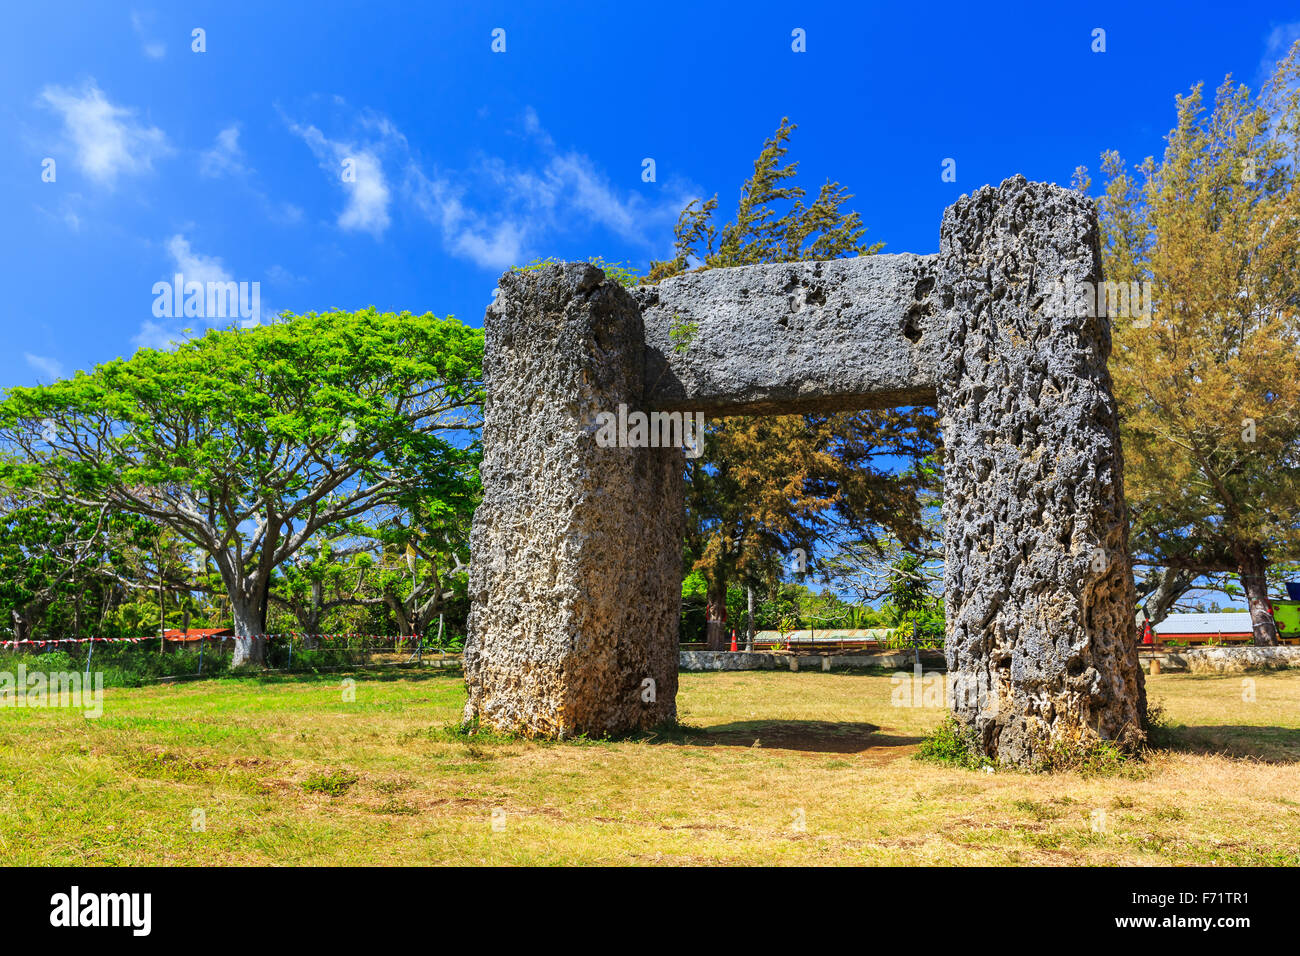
(335, 783)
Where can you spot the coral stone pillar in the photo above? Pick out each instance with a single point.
(575, 573)
(1041, 644)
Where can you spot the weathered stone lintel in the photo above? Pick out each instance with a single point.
(793, 338)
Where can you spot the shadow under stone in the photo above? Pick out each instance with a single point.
(811, 736)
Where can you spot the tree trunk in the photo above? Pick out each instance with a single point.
(1170, 585)
(715, 617)
(749, 619)
(398, 607)
(312, 618)
(1251, 567)
(20, 628)
(250, 641)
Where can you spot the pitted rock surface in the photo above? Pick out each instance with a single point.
(793, 337)
(576, 566)
(1037, 582)
(575, 577)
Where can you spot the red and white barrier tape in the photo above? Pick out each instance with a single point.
(136, 640)
(77, 640)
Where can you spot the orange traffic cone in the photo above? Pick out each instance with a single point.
(733, 640)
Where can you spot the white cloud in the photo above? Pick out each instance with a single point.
(360, 172)
(196, 267)
(153, 49)
(519, 208)
(496, 213)
(107, 139)
(225, 157)
(153, 335)
(1281, 39)
(282, 276)
(465, 233)
(48, 368)
(533, 127)
(1276, 46)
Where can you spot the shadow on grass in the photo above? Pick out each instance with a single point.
(1274, 745)
(811, 736)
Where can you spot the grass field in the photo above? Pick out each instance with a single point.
(779, 768)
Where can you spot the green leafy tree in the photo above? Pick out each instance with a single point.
(248, 445)
(422, 572)
(61, 563)
(1207, 385)
(915, 612)
(323, 577)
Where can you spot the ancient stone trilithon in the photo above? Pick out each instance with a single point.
(576, 549)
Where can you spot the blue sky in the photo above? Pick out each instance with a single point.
(226, 164)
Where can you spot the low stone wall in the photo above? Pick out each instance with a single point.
(761, 661)
(1236, 660)
(725, 661)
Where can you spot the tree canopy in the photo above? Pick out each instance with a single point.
(250, 444)
(1207, 385)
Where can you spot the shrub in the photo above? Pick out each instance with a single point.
(955, 744)
(335, 783)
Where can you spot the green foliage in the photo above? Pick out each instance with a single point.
(682, 333)
(61, 564)
(916, 615)
(123, 665)
(334, 783)
(772, 223)
(1206, 384)
(1094, 758)
(955, 744)
(249, 445)
(624, 275)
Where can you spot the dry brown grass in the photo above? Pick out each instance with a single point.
(778, 768)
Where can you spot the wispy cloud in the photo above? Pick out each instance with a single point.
(224, 158)
(154, 49)
(499, 214)
(492, 244)
(108, 140)
(1278, 43)
(495, 213)
(359, 172)
(48, 368)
